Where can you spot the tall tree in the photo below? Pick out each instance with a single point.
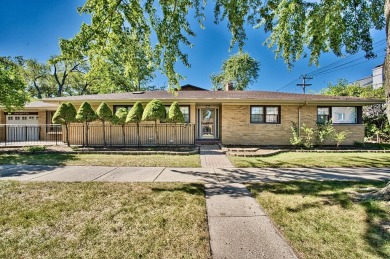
(64, 115)
(322, 26)
(239, 70)
(12, 85)
(61, 70)
(37, 76)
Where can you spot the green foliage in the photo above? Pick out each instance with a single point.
(120, 116)
(308, 136)
(34, 149)
(175, 115)
(65, 114)
(120, 32)
(340, 136)
(12, 84)
(154, 110)
(104, 112)
(322, 26)
(374, 116)
(239, 70)
(323, 132)
(296, 140)
(343, 88)
(86, 113)
(135, 113)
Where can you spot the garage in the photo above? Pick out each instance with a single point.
(22, 126)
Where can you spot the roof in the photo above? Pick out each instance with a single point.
(189, 87)
(219, 97)
(40, 104)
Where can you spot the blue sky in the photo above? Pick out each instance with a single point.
(32, 29)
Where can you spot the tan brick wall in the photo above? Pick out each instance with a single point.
(237, 129)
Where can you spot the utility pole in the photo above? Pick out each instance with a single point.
(304, 78)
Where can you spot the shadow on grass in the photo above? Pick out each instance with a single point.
(37, 159)
(309, 160)
(335, 193)
(190, 188)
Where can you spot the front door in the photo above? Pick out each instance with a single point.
(208, 122)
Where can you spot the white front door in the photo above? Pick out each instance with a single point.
(208, 123)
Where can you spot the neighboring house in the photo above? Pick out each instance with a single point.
(376, 79)
(233, 117)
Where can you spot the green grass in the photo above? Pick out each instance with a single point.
(101, 159)
(300, 159)
(102, 220)
(320, 219)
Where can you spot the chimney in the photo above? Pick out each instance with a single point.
(229, 86)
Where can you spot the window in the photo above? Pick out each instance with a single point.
(323, 115)
(344, 115)
(186, 113)
(265, 114)
(117, 107)
(10, 118)
(24, 118)
(338, 115)
(17, 118)
(185, 110)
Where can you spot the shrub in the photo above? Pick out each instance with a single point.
(86, 114)
(339, 137)
(154, 111)
(64, 115)
(135, 116)
(104, 114)
(175, 116)
(120, 119)
(296, 140)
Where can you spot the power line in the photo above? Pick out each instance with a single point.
(332, 66)
(304, 84)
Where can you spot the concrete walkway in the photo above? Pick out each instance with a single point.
(238, 227)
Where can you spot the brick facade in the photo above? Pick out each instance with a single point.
(238, 130)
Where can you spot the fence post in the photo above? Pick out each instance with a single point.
(56, 134)
(5, 135)
(83, 136)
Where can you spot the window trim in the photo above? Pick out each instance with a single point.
(264, 107)
(359, 119)
(189, 112)
(118, 106)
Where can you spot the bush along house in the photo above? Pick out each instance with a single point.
(228, 117)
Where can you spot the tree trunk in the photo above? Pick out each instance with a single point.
(138, 136)
(175, 131)
(67, 134)
(385, 192)
(86, 134)
(104, 133)
(386, 67)
(123, 135)
(156, 133)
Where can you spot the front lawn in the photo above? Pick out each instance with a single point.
(320, 220)
(101, 159)
(301, 159)
(102, 220)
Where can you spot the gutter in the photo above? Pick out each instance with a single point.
(299, 117)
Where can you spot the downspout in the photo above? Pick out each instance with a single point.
(299, 117)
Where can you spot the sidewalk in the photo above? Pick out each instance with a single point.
(238, 227)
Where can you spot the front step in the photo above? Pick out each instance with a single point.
(208, 142)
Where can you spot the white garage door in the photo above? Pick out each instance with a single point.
(22, 127)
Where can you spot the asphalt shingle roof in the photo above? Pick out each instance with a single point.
(220, 96)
